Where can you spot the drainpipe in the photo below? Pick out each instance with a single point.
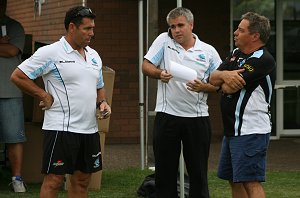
(141, 84)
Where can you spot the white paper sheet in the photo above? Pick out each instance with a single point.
(3, 29)
(181, 72)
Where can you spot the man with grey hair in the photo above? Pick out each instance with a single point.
(246, 78)
(182, 111)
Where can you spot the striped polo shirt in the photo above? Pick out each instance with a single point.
(248, 110)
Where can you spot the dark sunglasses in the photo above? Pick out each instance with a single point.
(84, 13)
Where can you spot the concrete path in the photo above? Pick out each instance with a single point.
(283, 154)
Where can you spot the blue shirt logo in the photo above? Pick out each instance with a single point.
(202, 57)
(94, 62)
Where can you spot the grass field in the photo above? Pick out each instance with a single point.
(124, 184)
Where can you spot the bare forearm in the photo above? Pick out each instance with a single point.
(199, 86)
(27, 85)
(102, 104)
(227, 89)
(8, 50)
(216, 78)
(207, 87)
(101, 94)
(150, 70)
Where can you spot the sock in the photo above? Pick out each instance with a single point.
(18, 178)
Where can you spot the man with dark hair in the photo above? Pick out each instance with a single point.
(12, 133)
(74, 87)
(246, 79)
(182, 110)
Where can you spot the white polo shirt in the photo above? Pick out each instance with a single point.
(173, 97)
(73, 83)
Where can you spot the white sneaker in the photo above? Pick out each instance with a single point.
(18, 185)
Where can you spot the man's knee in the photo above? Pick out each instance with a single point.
(254, 189)
(53, 182)
(252, 184)
(80, 180)
(237, 186)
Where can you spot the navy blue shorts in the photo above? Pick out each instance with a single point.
(243, 158)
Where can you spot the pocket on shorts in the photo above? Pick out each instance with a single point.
(255, 155)
(255, 146)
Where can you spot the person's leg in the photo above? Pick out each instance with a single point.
(167, 146)
(88, 161)
(238, 190)
(226, 170)
(67, 153)
(225, 165)
(196, 144)
(12, 133)
(15, 156)
(249, 163)
(55, 162)
(79, 185)
(51, 185)
(254, 189)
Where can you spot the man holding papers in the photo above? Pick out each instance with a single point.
(182, 112)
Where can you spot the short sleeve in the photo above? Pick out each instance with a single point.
(155, 53)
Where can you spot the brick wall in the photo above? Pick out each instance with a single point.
(116, 39)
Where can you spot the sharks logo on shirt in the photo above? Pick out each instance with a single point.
(201, 58)
(94, 62)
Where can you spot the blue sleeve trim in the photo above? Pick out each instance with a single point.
(40, 70)
(100, 83)
(158, 57)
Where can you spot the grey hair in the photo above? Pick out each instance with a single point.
(259, 24)
(180, 11)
